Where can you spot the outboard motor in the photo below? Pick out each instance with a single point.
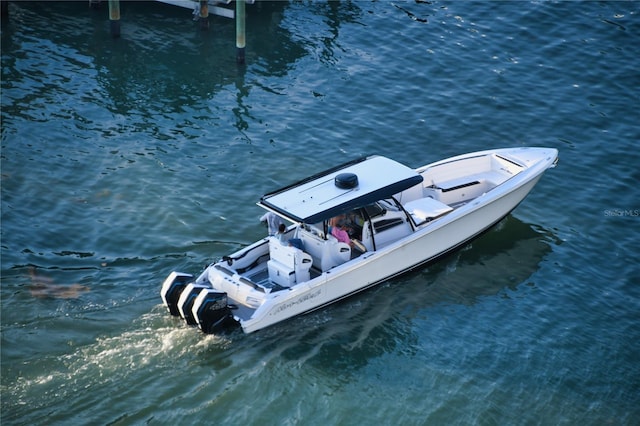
(172, 287)
(185, 303)
(211, 311)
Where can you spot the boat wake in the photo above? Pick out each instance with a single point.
(154, 345)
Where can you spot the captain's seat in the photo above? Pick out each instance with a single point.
(287, 265)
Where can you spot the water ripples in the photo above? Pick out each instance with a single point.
(125, 159)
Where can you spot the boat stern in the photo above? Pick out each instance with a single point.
(197, 302)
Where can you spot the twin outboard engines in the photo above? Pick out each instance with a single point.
(197, 303)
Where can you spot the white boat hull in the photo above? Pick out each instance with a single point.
(263, 307)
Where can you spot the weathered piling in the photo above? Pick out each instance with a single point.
(240, 30)
(204, 14)
(114, 17)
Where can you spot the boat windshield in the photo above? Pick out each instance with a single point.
(374, 210)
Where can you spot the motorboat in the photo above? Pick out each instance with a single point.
(352, 227)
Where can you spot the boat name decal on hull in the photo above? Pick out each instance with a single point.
(300, 300)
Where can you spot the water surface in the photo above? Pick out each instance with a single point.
(124, 159)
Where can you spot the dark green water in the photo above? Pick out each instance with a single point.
(124, 159)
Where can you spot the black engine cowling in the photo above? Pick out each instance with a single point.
(172, 288)
(187, 298)
(212, 311)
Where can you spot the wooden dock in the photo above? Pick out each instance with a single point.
(201, 9)
(218, 8)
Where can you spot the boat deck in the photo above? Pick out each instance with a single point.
(260, 276)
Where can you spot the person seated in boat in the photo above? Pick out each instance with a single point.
(340, 231)
(280, 234)
(333, 222)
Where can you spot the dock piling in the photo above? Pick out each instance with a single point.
(204, 14)
(240, 31)
(114, 17)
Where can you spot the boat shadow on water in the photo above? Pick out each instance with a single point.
(347, 334)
